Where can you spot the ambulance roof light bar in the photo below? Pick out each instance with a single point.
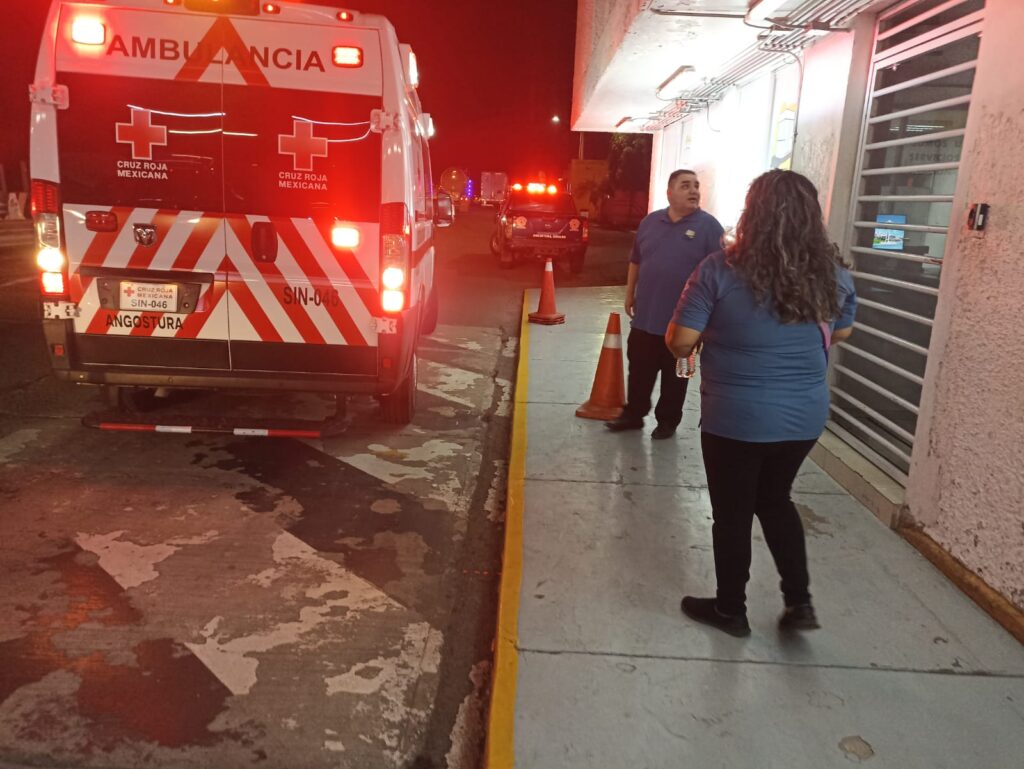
(236, 7)
(87, 30)
(348, 56)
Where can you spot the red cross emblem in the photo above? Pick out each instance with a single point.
(142, 134)
(302, 145)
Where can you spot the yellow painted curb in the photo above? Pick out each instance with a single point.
(500, 748)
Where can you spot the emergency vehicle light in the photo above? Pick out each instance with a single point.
(552, 189)
(50, 259)
(52, 283)
(414, 70)
(247, 7)
(347, 56)
(271, 8)
(101, 221)
(344, 236)
(517, 187)
(392, 301)
(86, 30)
(393, 278)
(345, 16)
(45, 197)
(48, 230)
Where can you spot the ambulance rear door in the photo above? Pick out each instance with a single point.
(141, 161)
(302, 174)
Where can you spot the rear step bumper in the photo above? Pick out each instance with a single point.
(206, 381)
(278, 428)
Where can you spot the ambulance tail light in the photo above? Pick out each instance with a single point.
(101, 221)
(45, 198)
(395, 249)
(50, 258)
(53, 285)
(46, 213)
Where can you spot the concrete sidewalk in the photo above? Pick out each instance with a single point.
(597, 668)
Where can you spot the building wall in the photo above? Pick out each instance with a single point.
(967, 474)
(836, 69)
(727, 146)
(733, 142)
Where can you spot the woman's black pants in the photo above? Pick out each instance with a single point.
(747, 479)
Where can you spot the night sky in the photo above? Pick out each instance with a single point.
(492, 74)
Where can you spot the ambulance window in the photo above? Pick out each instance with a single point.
(428, 177)
(420, 181)
(301, 154)
(138, 142)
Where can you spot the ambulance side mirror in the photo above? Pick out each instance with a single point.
(444, 210)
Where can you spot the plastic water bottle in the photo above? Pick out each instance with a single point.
(687, 367)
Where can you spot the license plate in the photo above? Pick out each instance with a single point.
(149, 297)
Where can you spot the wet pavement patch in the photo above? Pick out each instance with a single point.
(168, 697)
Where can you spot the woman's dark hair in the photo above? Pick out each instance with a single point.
(782, 249)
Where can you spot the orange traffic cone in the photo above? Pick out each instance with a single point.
(608, 395)
(547, 313)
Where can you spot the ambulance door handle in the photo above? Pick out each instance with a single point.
(264, 242)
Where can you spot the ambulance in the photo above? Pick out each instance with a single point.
(233, 194)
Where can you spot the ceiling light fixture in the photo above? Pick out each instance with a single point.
(763, 10)
(679, 82)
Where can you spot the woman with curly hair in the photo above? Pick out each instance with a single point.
(766, 311)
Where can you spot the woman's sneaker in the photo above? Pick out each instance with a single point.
(800, 617)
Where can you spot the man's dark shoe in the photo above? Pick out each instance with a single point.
(661, 432)
(800, 617)
(705, 610)
(622, 422)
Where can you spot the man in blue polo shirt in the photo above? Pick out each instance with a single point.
(669, 245)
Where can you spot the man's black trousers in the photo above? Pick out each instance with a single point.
(648, 356)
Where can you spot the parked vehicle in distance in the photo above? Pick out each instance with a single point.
(538, 221)
(493, 188)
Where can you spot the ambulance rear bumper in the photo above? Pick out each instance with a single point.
(149, 362)
(224, 380)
